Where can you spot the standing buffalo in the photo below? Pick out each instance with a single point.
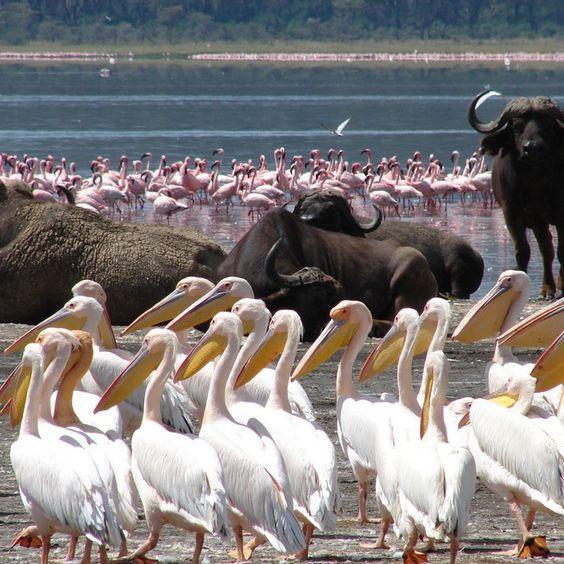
(273, 254)
(527, 140)
(47, 248)
(457, 267)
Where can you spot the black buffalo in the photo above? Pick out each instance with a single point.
(273, 254)
(527, 140)
(457, 267)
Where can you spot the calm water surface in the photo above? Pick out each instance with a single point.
(71, 111)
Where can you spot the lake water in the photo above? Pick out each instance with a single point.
(69, 110)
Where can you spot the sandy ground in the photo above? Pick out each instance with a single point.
(492, 527)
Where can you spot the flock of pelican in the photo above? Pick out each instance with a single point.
(214, 440)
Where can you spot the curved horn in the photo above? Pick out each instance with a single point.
(282, 280)
(303, 277)
(492, 126)
(374, 224)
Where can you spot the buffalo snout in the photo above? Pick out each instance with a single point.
(534, 149)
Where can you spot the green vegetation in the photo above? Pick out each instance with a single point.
(190, 26)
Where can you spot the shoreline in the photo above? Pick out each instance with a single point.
(392, 57)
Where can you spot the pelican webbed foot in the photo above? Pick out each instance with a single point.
(534, 546)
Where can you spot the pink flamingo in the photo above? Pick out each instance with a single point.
(406, 192)
(166, 205)
(268, 190)
(381, 198)
(254, 201)
(442, 188)
(225, 193)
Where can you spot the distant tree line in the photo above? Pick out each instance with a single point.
(127, 21)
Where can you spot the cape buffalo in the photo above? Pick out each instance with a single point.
(382, 274)
(457, 267)
(527, 140)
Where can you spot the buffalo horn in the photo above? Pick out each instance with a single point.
(372, 225)
(490, 127)
(307, 275)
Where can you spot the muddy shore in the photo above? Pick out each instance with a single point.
(492, 527)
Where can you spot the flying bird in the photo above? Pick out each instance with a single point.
(340, 128)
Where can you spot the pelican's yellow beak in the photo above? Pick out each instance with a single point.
(6, 407)
(203, 310)
(487, 316)
(336, 335)
(207, 348)
(386, 353)
(271, 347)
(131, 377)
(537, 330)
(549, 368)
(62, 318)
(426, 407)
(10, 384)
(182, 297)
(106, 331)
(502, 398)
(20, 393)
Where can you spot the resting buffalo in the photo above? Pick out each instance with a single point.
(382, 274)
(527, 140)
(46, 248)
(457, 267)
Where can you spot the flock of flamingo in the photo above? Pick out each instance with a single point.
(178, 186)
(122, 427)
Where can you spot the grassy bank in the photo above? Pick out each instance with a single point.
(182, 50)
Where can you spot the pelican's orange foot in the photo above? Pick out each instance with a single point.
(247, 554)
(534, 547)
(138, 559)
(414, 557)
(26, 540)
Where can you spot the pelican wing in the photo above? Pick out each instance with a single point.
(421, 485)
(186, 473)
(522, 449)
(61, 487)
(311, 463)
(459, 471)
(265, 507)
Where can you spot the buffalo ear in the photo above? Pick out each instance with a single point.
(492, 143)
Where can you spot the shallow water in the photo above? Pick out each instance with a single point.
(68, 110)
